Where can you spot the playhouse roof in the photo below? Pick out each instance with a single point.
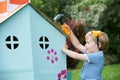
(5, 16)
(8, 8)
(14, 8)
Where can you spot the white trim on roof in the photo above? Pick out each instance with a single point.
(5, 16)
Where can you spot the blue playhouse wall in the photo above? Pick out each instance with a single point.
(49, 61)
(16, 61)
(30, 48)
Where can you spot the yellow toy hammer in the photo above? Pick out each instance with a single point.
(59, 18)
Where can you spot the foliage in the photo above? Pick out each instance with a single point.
(89, 11)
(52, 7)
(103, 16)
(92, 14)
(110, 22)
(111, 59)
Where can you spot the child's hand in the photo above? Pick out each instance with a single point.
(66, 29)
(65, 46)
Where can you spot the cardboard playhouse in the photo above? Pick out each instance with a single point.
(30, 45)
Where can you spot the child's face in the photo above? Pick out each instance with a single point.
(91, 45)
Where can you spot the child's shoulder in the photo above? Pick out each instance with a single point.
(99, 53)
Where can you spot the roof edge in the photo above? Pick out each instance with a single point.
(12, 13)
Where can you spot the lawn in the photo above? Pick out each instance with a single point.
(110, 72)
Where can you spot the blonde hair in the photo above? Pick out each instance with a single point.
(100, 39)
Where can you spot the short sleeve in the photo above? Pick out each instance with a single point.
(94, 57)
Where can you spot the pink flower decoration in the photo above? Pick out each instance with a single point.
(52, 56)
(62, 75)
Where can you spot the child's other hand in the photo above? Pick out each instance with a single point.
(65, 46)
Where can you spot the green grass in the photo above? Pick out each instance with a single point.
(110, 72)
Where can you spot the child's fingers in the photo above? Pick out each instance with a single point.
(65, 46)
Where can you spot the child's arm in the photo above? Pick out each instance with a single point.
(74, 40)
(73, 54)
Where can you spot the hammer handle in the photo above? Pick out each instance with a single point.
(65, 29)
